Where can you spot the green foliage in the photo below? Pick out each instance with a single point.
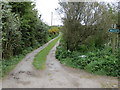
(11, 34)
(40, 58)
(87, 23)
(107, 66)
(83, 48)
(9, 64)
(22, 28)
(51, 36)
(85, 32)
(53, 32)
(22, 31)
(97, 61)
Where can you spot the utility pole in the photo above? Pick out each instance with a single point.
(51, 18)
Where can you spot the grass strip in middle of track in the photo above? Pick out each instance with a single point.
(40, 58)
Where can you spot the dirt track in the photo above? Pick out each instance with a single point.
(54, 75)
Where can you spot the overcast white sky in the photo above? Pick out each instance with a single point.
(45, 7)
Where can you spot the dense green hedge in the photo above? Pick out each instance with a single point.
(22, 27)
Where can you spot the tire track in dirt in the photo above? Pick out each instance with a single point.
(55, 75)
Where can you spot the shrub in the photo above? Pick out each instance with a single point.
(98, 61)
(53, 30)
(104, 66)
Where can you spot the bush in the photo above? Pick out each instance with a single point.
(108, 66)
(53, 30)
(101, 62)
(83, 48)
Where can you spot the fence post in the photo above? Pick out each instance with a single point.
(113, 39)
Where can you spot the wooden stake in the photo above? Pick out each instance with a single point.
(113, 42)
(113, 39)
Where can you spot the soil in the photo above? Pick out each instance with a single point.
(55, 75)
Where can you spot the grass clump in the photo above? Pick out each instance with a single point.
(40, 58)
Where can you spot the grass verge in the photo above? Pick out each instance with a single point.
(9, 64)
(40, 58)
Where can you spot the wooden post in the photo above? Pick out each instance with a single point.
(113, 39)
(113, 42)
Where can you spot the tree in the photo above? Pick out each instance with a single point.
(22, 28)
(10, 30)
(86, 23)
